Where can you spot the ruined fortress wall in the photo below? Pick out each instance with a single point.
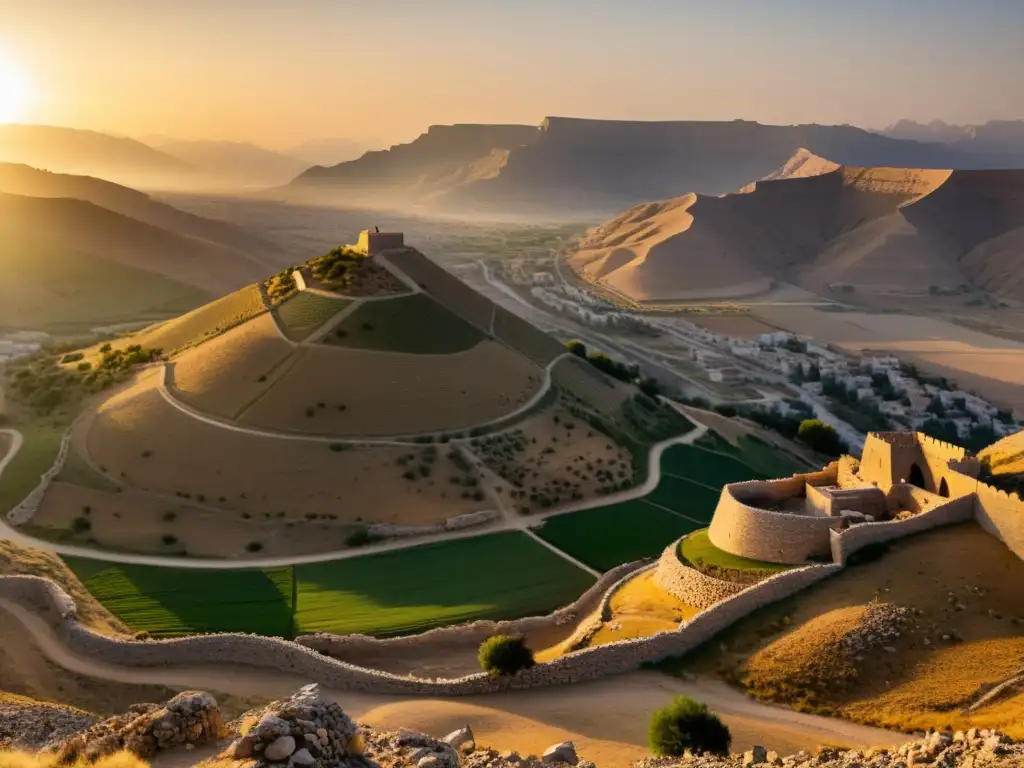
(45, 597)
(845, 543)
(476, 631)
(1001, 514)
(761, 534)
(688, 584)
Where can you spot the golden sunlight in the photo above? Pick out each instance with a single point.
(15, 91)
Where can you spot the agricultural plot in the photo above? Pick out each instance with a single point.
(445, 287)
(423, 587)
(711, 469)
(169, 602)
(36, 456)
(227, 373)
(415, 324)
(201, 324)
(363, 393)
(145, 442)
(304, 312)
(525, 337)
(685, 497)
(605, 537)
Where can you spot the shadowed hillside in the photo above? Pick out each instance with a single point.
(586, 168)
(232, 165)
(818, 223)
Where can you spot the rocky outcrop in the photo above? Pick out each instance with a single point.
(33, 725)
(189, 718)
(963, 749)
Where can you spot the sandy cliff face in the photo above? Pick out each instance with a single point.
(819, 222)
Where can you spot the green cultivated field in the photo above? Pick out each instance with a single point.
(697, 548)
(497, 576)
(415, 324)
(168, 602)
(37, 455)
(708, 468)
(605, 537)
(502, 575)
(685, 497)
(304, 312)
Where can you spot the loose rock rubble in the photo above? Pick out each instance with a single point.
(963, 749)
(189, 718)
(881, 625)
(34, 726)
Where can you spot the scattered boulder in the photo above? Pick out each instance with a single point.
(561, 753)
(461, 739)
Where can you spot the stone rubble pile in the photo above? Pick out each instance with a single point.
(190, 718)
(964, 749)
(882, 624)
(34, 726)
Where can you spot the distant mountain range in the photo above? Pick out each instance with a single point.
(234, 165)
(571, 167)
(820, 224)
(996, 137)
(78, 250)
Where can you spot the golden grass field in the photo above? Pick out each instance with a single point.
(264, 476)
(223, 375)
(354, 392)
(919, 685)
(555, 456)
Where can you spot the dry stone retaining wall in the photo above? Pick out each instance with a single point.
(28, 507)
(688, 584)
(44, 596)
(845, 543)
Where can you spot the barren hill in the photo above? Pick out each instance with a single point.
(17, 179)
(231, 164)
(68, 150)
(817, 222)
(578, 167)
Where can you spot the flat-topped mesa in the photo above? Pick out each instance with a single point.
(372, 243)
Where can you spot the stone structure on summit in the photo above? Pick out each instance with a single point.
(373, 242)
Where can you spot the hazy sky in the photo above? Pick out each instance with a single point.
(278, 72)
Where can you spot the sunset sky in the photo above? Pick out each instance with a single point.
(277, 72)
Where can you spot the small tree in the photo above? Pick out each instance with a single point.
(577, 347)
(820, 436)
(505, 655)
(687, 724)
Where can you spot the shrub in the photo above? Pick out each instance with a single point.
(254, 546)
(81, 525)
(821, 437)
(72, 357)
(104, 349)
(687, 724)
(169, 516)
(359, 538)
(505, 655)
(83, 367)
(169, 540)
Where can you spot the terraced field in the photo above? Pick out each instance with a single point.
(36, 456)
(445, 287)
(498, 576)
(605, 537)
(387, 594)
(169, 602)
(202, 324)
(304, 312)
(415, 324)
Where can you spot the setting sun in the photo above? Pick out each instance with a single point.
(15, 92)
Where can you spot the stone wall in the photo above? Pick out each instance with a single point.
(761, 534)
(372, 243)
(688, 584)
(844, 543)
(1001, 514)
(472, 632)
(28, 507)
(45, 597)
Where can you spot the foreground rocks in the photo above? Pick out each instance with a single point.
(190, 718)
(963, 749)
(33, 725)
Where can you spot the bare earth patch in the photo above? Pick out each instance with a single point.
(355, 392)
(141, 440)
(588, 383)
(738, 326)
(224, 374)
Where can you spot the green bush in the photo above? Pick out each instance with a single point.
(821, 437)
(80, 525)
(687, 724)
(505, 655)
(359, 538)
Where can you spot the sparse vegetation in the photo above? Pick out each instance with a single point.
(505, 655)
(415, 324)
(304, 312)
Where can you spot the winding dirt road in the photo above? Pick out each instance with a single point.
(606, 719)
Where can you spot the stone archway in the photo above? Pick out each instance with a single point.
(916, 476)
(944, 488)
